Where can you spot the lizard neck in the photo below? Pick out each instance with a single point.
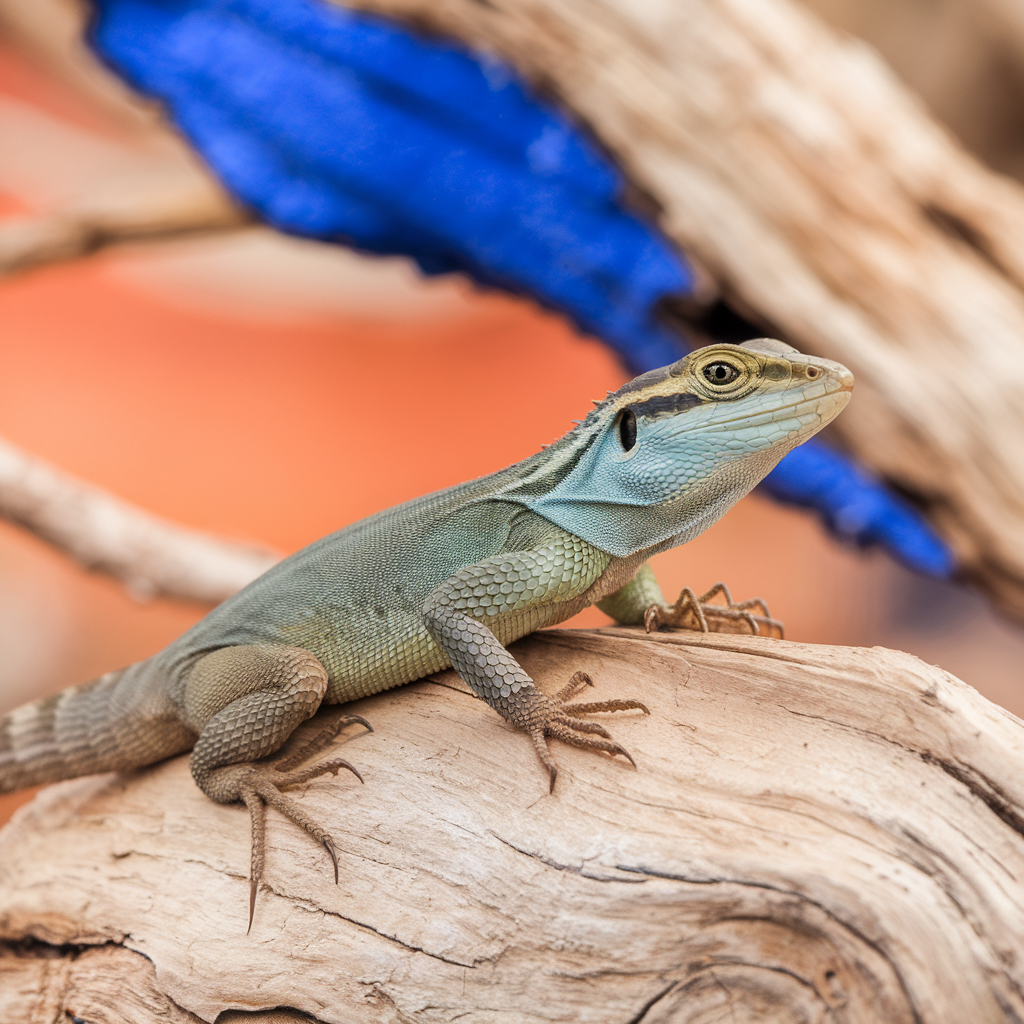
(626, 530)
(664, 457)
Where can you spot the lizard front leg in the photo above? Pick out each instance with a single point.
(245, 702)
(641, 601)
(515, 593)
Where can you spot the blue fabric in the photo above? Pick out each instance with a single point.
(339, 126)
(857, 508)
(336, 125)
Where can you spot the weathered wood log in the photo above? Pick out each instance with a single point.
(812, 833)
(826, 202)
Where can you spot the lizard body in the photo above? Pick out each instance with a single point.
(448, 579)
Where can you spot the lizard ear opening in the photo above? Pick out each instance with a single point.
(627, 429)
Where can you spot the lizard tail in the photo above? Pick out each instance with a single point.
(96, 727)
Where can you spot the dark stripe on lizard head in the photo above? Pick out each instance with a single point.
(652, 395)
(667, 405)
(688, 392)
(663, 457)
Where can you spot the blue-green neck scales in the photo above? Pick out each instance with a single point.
(700, 446)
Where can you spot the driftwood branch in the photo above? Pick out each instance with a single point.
(169, 200)
(826, 203)
(151, 556)
(812, 833)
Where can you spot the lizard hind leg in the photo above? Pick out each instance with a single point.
(245, 702)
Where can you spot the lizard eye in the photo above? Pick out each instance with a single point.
(627, 429)
(720, 373)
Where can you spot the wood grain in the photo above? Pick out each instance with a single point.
(813, 833)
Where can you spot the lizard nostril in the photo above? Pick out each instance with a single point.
(812, 372)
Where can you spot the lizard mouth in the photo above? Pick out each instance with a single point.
(835, 402)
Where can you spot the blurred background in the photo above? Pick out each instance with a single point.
(270, 389)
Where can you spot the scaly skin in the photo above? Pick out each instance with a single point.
(449, 580)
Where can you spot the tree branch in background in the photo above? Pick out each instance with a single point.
(151, 556)
(812, 833)
(169, 201)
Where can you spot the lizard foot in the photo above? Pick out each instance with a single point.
(698, 613)
(260, 784)
(555, 717)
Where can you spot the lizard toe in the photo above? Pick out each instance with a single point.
(556, 719)
(313, 771)
(568, 733)
(579, 681)
(261, 790)
(701, 613)
(575, 710)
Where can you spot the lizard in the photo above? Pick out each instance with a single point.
(449, 580)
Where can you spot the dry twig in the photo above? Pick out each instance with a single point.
(152, 556)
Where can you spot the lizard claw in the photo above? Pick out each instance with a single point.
(328, 845)
(562, 721)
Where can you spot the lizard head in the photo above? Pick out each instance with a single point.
(665, 456)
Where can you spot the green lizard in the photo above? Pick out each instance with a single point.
(449, 580)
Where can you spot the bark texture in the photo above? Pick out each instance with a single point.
(812, 834)
(826, 202)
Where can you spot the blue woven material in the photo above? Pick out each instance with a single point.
(343, 127)
(338, 126)
(857, 508)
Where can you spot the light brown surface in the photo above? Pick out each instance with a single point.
(813, 833)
